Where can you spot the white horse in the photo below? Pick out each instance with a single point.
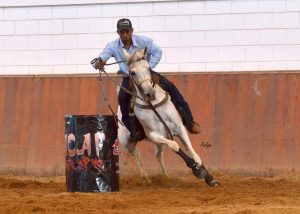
(154, 129)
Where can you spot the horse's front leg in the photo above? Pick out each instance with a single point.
(198, 171)
(159, 139)
(198, 168)
(188, 145)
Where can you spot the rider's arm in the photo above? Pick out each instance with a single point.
(103, 57)
(154, 54)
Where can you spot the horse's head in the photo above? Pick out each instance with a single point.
(139, 70)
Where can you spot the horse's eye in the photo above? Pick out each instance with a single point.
(132, 73)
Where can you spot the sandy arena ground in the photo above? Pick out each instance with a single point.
(279, 194)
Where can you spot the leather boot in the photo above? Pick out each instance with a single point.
(192, 126)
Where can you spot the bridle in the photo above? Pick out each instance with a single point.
(144, 80)
(131, 74)
(150, 105)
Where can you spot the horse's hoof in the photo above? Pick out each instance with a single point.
(210, 181)
(199, 171)
(213, 183)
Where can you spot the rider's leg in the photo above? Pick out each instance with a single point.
(124, 100)
(179, 102)
(131, 123)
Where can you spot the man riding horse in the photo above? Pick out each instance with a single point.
(131, 43)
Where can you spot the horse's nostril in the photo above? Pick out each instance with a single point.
(148, 95)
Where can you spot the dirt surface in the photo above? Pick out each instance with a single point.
(279, 194)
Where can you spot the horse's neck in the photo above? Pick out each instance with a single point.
(160, 93)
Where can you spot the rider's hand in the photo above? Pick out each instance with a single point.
(100, 64)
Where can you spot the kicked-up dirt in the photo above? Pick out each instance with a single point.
(237, 194)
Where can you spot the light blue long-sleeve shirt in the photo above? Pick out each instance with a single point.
(114, 49)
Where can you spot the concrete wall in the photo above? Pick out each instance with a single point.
(250, 120)
(55, 37)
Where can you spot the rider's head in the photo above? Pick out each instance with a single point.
(125, 30)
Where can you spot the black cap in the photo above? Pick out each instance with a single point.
(124, 24)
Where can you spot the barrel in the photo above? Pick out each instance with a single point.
(92, 155)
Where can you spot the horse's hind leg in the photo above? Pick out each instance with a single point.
(159, 155)
(144, 174)
(123, 135)
(131, 148)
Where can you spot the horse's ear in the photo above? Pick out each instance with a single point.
(145, 51)
(126, 54)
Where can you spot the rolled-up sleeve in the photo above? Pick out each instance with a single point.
(154, 54)
(105, 54)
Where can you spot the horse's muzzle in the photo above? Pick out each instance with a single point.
(150, 97)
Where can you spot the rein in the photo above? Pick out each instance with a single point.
(161, 120)
(116, 119)
(116, 83)
(96, 59)
(154, 107)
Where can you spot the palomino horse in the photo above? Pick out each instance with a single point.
(154, 128)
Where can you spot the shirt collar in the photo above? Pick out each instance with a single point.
(134, 43)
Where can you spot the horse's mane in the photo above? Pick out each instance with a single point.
(136, 55)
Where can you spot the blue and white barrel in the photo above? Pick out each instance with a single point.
(92, 153)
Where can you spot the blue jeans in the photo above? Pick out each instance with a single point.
(176, 98)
